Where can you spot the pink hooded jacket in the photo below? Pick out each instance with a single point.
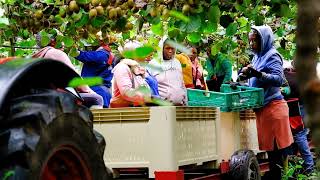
(58, 55)
(129, 77)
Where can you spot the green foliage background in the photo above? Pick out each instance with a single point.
(226, 22)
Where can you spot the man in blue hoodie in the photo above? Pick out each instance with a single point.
(265, 71)
(99, 63)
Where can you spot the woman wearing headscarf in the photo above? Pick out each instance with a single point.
(273, 127)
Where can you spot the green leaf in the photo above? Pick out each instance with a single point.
(281, 32)
(58, 19)
(210, 27)
(139, 53)
(8, 174)
(231, 29)
(215, 49)
(98, 21)
(45, 39)
(194, 37)
(126, 35)
(4, 21)
(193, 25)
(73, 52)
(179, 15)
(83, 21)
(259, 20)
(47, 1)
(214, 14)
(68, 41)
(246, 2)
(83, 1)
(157, 29)
(243, 21)
(90, 81)
(285, 10)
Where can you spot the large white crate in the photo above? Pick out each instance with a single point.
(248, 131)
(159, 138)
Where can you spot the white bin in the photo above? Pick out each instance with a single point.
(159, 138)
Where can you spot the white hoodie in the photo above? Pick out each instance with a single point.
(169, 76)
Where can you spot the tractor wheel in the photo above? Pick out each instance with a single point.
(244, 166)
(47, 136)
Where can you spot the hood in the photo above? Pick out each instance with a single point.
(161, 45)
(267, 38)
(128, 62)
(41, 53)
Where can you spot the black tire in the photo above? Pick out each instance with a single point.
(48, 132)
(244, 166)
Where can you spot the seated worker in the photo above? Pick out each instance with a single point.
(99, 63)
(133, 86)
(167, 70)
(296, 114)
(91, 99)
(192, 70)
(219, 70)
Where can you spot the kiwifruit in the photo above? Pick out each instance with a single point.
(62, 11)
(112, 13)
(130, 3)
(119, 11)
(165, 13)
(100, 10)
(38, 14)
(104, 3)
(73, 6)
(153, 12)
(186, 9)
(129, 26)
(191, 2)
(95, 2)
(124, 6)
(93, 13)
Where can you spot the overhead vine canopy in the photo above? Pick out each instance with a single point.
(226, 22)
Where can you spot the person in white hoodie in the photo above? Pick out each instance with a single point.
(168, 72)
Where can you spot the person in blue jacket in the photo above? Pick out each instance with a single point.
(99, 63)
(272, 120)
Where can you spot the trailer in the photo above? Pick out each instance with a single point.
(177, 143)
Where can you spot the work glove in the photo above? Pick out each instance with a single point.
(285, 90)
(254, 73)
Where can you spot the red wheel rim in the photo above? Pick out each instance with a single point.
(65, 163)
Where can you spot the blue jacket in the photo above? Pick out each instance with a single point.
(95, 64)
(153, 83)
(269, 62)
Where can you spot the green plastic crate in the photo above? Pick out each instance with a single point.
(228, 99)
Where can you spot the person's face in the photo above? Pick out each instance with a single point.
(254, 41)
(168, 52)
(193, 54)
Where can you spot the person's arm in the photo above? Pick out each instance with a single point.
(227, 66)
(274, 75)
(122, 76)
(209, 69)
(98, 57)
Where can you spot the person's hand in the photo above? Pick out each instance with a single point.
(285, 90)
(214, 77)
(254, 73)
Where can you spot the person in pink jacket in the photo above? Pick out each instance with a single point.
(91, 99)
(168, 71)
(130, 85)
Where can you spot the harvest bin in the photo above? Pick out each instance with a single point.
(228, 99)
(159, 138)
